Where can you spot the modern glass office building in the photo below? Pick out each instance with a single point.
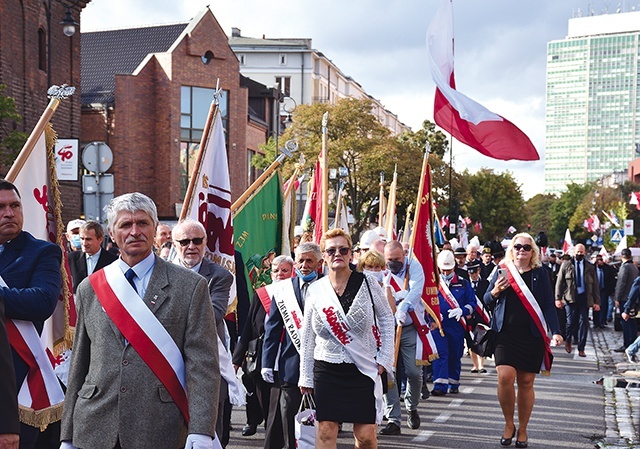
(593, 107)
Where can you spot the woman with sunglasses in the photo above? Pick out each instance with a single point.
(522, 298)
(347, 342)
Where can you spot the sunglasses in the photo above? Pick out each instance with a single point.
(525, 247)
(332, 251)
(197, 241)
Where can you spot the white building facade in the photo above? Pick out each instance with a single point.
(304, 75)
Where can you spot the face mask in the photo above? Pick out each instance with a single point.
(379, 275)
(76, 241)
(579, 257)
(448, 277)
(309, 277)
(395, 266)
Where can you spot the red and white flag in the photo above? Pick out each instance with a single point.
(312, 217)
(635, 199)
(467, 120)
(567, 244)
(210, 203)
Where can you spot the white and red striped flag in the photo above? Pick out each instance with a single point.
(466, 120)
(567, 244)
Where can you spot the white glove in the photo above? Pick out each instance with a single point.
(401, 317)
(455, 313)
(67, 445)
(267, 375)
(198, 441)
(401, 294)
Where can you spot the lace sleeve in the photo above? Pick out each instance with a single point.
(308, 344)
(384, 316)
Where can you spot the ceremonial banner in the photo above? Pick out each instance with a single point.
(423, 245)
(257, 226)
(466, 120)
(210, 203)
(312, 219)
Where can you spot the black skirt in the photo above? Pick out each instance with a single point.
(343, 394)
(516, 344)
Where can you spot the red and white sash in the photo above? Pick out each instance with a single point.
(335, 321)
(529, 302)
(482, 311)
(265, 297)
(284, 297)
(143, 331)
(426, 350)
(443, 288)
(40, 396)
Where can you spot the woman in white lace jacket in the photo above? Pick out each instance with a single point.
(346, 344)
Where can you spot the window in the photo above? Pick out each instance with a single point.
(42, 49)
(284, 82)
(194, 108)
(282, 59)
(243, 59)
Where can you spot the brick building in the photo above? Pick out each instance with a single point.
(34, 54)
(146, 93)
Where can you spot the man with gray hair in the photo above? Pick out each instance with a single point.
(144, 369)
(190, 241)
(92, 257)
(285, 313)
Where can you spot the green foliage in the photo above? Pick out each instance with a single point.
(358, 141)
(537, 211)
(564, 209)
(496, 202)
(270, 154)
(11, 140)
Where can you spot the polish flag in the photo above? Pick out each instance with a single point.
(567, 245)
(469, 122)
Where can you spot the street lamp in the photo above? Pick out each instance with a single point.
(69, 26)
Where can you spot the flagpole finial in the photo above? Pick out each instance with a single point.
(427, 147)
(325, 119)
(60, 92)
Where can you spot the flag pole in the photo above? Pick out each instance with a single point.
(55, 93)
(381, 199)
(290, 147)
(391, 204)
(206, 132)
(407, 220)
(325, 174)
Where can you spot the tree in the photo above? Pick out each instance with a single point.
(537, 211)
(11, 140)
(564, 208)
(496, 201)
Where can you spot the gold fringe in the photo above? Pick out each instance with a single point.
(40, 418)
(545, 372)
(51, 137)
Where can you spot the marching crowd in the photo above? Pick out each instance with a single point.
(345, 327)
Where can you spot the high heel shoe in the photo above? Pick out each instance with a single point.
(522, 444)
(507, 441)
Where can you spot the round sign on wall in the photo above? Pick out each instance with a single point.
(97, 157)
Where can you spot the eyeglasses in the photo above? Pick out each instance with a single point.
(525, 247)
(197, 241)
(332, 251)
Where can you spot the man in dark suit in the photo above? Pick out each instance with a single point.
(30, 269)
(607, 284)
(285, 395)
(479, 286)
(92, 257)
(9, 423)
(145, 336)
(189, 241)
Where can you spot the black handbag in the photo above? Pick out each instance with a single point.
(484, 340)
(254, 357)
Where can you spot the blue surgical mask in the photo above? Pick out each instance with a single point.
(76, 241)
(309, 277)
(448, 277)
(379, 275)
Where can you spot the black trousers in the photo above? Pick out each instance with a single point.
(284, 403)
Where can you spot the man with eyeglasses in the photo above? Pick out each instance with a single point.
(577, 286)
(189, 241)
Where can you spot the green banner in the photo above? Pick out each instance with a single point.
(257, 232)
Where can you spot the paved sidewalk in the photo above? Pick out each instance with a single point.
(621, 385)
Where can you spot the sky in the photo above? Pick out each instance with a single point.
(500, 51)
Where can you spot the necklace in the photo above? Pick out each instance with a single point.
(521, 270)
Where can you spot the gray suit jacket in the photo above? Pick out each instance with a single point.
(113, 395)
(219, 281)
(566, 283)
(627, 273)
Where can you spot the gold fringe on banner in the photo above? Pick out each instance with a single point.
(51, 137)
(40, 418)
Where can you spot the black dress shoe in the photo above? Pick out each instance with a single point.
(424, 393)
(413, 421)
(522, 444)
(390, 429)
(249, 430)
(620, 349)
(507, 441)
(435, 392)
